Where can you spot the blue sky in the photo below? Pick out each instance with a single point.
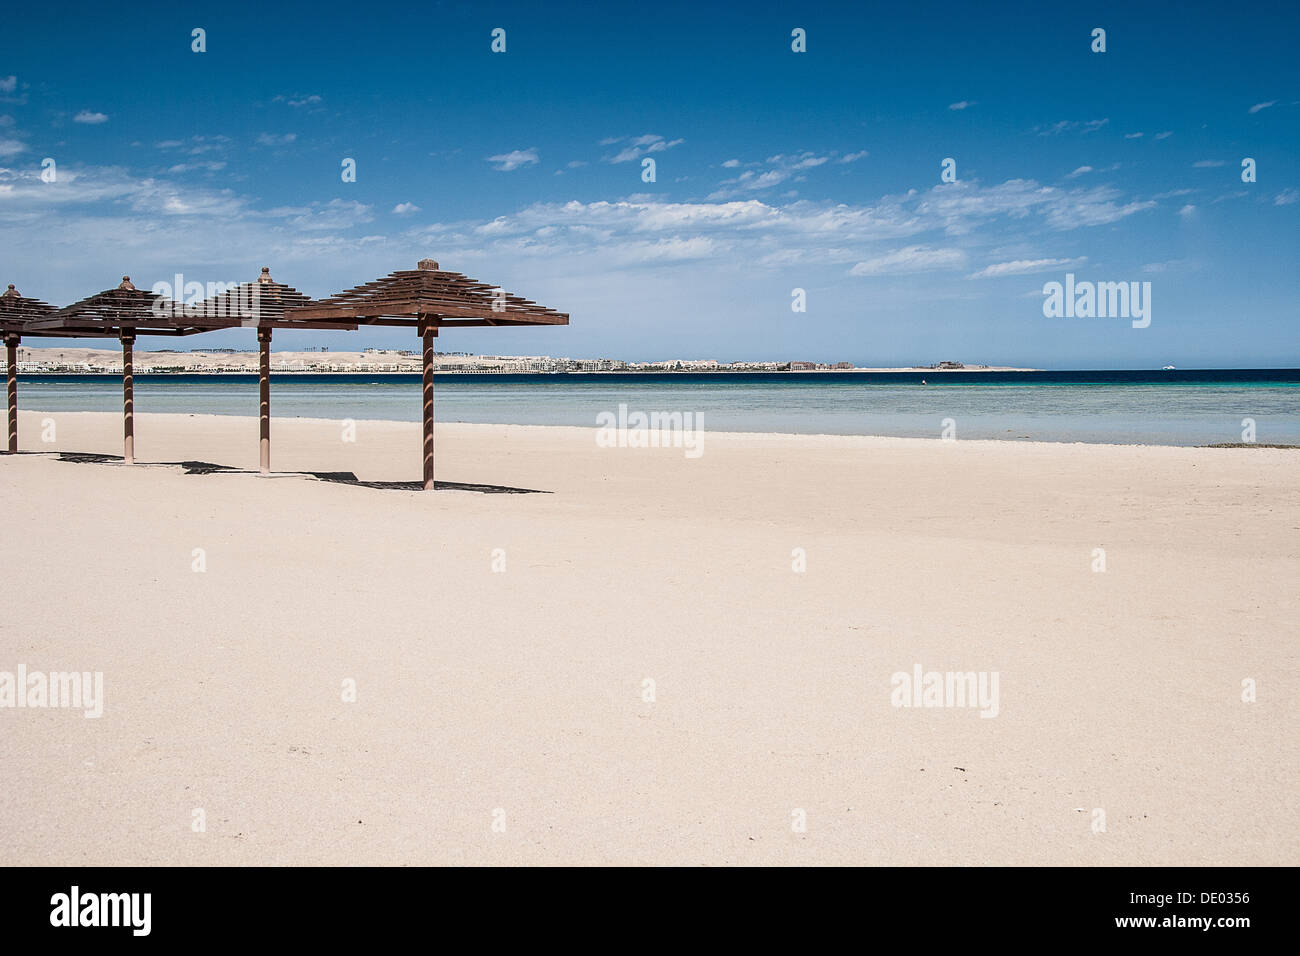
(775, 170)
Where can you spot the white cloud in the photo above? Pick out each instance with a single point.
(1165, 135)
(961, 105)
(634, 147)
(297, 99)
(781, 168)
(910, 259)
(80, 186)
(1188, 211)
(961, 207)
(335, 214)
(805, 160)
(1208, 164)
(11, 90)
(271, 139)
(405, 208)
(89, 118)
(1158, 267)
(197, 145)
(212, 167)
(853, 157)
(1095, 208)
(1085, 170)
(1133, 135)
(1070, 126)
(1261, 106)
(731, 164)
(11, 147)
(1021, 267)
(516, 158)
(675, 249)
(101, 214)
(1287, 197)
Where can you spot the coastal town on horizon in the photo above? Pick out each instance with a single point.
(217, 361)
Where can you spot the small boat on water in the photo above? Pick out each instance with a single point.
(1167, 368)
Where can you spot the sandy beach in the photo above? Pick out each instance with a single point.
(501, 646)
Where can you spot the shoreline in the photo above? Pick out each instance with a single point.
(611, 372)
(1020, 376)
(829, 438)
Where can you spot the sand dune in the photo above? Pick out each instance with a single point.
(518, 696)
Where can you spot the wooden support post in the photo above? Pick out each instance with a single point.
(11, 350)
(128, 396)
(428, 332)
(264, 388)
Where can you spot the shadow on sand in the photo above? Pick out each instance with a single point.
(338, 477)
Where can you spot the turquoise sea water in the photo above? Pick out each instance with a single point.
(1182, 408)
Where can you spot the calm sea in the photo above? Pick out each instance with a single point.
(1183, 407)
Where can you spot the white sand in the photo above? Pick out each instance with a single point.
(523, 690)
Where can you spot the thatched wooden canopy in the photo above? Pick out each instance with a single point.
(426, 298)
(266, 305)
(17, 309)
(429, 298)
(125, 312)
(17, 313)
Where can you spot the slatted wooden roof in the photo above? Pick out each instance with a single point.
(16, 309)
(17, 312)
(124, 309)
(431, 294)
(268, 301)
